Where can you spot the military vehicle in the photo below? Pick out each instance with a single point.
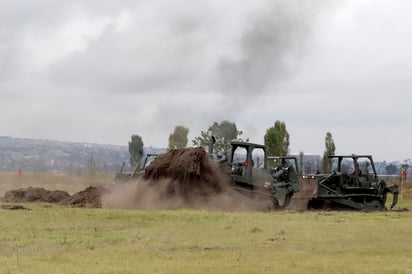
(138, 170)
(252, 172)
(352, 183)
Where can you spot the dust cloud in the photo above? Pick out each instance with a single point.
(182, 178)
(164, 194)
(149, 194)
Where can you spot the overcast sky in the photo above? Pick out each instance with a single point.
(100, 70)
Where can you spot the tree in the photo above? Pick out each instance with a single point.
(91, 166)
(135, 149)
(178, 139)
(330, 149)
(224, 132)
(391, 169)
(301, 159)
(277, 139)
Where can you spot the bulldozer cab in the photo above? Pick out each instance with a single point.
(354, 183)
(249, 169)
(248, 162)
(356, 171)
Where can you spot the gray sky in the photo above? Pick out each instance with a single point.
(100, 71)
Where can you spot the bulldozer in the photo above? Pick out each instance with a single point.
(138, 170)
(352, 183)
(252, 173)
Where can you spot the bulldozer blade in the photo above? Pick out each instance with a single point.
(395, 191)
(395, 199)
(286, 201)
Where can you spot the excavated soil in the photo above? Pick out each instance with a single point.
(34, 194)
(186, 173)
(90, 197)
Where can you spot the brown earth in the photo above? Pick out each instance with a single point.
(90, 197)
(34, 194)
(186, 173)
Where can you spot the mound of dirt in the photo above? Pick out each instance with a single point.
(90, 197)
(186, 173)
(34, 194)
(14, 207)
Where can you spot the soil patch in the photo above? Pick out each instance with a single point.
(34, 194)
(90, 197)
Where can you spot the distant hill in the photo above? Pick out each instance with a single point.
(34, 155)
(37, 155)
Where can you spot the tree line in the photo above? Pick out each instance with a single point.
(276, 140)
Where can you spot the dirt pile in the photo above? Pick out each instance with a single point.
(90, 197)
(34, 194)
(186, 173)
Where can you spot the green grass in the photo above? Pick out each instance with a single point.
(57, 239)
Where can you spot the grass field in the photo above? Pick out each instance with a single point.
(57, 239)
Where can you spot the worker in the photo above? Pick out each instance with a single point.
(282, 172)
(357, 170)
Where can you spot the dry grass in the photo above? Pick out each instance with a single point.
(57, 239)
(51, 181)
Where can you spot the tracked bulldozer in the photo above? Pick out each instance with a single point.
(252, 174)
(353, 182)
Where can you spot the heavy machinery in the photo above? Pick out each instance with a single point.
(138, 170)
(353, 182)
(252, 173)
(276, 181)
